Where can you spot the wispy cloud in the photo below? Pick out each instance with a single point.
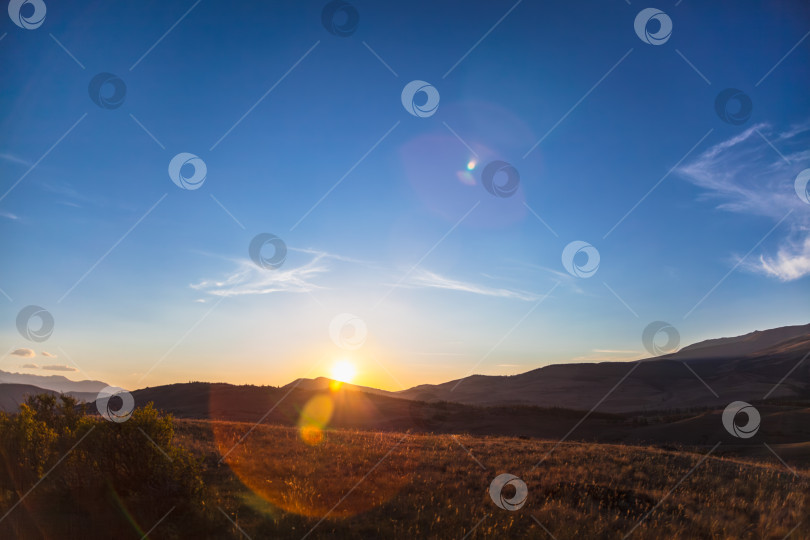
(11, 158)
(753, 173)
(58, 367)
(426, 279)
(24, 353)
(48, 355)
(9, 215)
(249, 279)
(792, 261)
(29, 366)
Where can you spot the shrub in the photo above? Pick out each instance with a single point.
(134, 468)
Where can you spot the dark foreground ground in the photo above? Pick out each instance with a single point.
(280, 482)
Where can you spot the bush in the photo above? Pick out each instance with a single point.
(134, 467)
(32, 440)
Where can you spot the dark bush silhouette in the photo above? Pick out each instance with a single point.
(134, 467)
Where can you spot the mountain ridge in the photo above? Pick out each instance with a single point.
(56, 383)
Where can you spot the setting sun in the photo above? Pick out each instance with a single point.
(343, 371)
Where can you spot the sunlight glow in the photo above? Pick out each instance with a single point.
(343, 371)
(471, 165)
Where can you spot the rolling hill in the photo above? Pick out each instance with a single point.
(743, 368)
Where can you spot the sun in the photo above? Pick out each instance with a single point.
(343, 371)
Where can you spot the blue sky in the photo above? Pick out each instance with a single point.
(304, 135)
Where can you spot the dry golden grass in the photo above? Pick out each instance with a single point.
(274, 485)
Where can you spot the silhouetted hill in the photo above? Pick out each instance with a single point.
(755, 343)
(745, 368)
(784, 424)
(673, 400)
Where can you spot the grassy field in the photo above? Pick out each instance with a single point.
(394, 485)
(64, 474)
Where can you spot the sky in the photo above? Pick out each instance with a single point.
(400, 252)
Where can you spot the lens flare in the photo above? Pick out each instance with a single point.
(304, 468)
(314, 418)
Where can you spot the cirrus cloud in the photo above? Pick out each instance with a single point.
(753, 173)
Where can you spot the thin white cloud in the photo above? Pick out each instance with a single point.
(24, 353)
(11, 158)
(58, 367)
(792, 261)
(426, 279)
(746, 174)
(9, 215)
(249, 279)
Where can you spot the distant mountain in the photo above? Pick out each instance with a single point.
(708, 373)
(642, 402)
(57, 383)
(711, 373)
(11, 395)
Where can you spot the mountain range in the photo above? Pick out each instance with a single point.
(57, 383)
(708, 373)
(752, 367)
